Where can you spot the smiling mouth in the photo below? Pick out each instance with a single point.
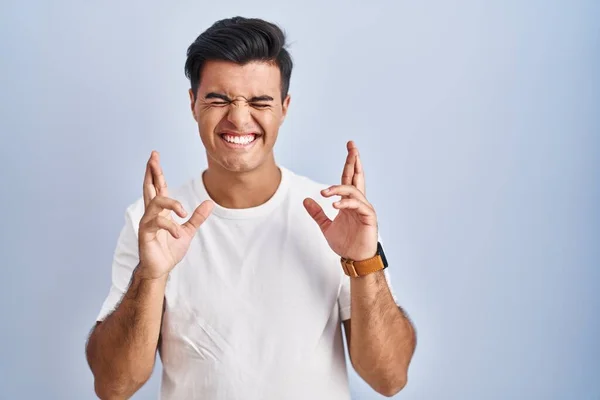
(239, 140)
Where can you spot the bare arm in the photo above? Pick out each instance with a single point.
(121, 351)
(381, 339)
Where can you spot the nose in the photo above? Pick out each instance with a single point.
(239, 114)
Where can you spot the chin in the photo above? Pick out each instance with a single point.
(239, 164)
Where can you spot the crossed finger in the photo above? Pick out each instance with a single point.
(353, 173)
(154, 179)
(148, 188)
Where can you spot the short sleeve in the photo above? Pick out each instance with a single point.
(125, 259)
(344, 296)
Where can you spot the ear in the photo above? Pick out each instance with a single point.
(284, 107)
(193, 103)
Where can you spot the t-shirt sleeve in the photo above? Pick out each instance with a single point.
(344, 296)
(125, 259)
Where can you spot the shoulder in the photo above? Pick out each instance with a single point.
(302, 187)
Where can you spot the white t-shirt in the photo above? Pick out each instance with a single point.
(254, 309)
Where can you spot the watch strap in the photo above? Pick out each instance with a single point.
(356, 269)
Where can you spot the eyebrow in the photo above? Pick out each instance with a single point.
(261, 98)
(213, 95)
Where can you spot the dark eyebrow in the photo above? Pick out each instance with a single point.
(261, 98)
(213, 95)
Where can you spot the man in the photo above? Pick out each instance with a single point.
(242, 278)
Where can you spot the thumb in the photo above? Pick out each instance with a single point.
(199, 216)
(317, 213)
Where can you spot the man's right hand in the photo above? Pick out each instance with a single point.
(162, 241)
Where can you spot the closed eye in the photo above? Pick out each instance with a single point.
(258, 105)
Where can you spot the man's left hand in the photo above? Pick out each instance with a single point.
(353, 232)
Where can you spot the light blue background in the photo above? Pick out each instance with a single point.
(478, 123)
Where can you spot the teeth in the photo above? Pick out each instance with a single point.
(239, 139)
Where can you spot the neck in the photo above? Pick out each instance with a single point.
(242, 189)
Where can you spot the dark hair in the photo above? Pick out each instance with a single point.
(240, 40)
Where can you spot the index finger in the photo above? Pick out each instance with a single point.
(148, 189)
(348, 173)
(359, 175)
(160, 184)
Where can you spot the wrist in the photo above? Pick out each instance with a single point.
(145, 274)
(363, 255)
(371, 262)
(366, 256)
(367, 249)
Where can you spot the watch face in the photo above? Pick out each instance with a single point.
(382, 254)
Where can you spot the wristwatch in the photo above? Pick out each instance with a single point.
(356, 269)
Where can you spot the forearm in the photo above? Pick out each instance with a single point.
(382, 337)
(121, 350)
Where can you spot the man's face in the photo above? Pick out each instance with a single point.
(239, 111)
